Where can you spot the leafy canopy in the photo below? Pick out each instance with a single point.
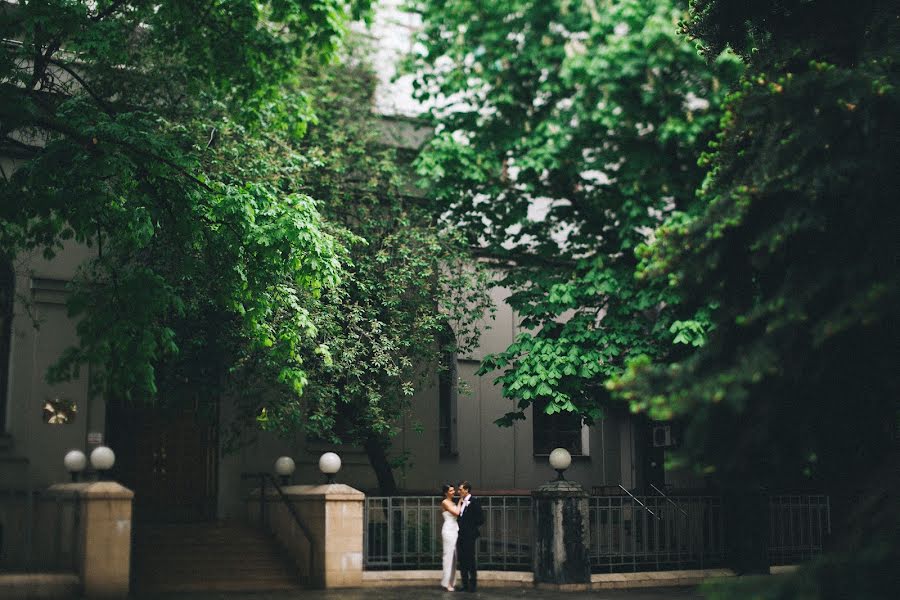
(408, 286)
(134, 128)
(795, 253)
(567, 131)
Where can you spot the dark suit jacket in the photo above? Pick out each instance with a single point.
(471, 519)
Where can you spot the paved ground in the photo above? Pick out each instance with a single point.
(415, 593)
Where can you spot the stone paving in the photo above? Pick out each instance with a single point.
(415, 593)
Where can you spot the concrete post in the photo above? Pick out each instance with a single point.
(105, 557)
(333, 516)
(561, 548)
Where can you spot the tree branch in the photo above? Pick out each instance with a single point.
(109, 10)
(103, 104)
(52, 124)
(21, 145)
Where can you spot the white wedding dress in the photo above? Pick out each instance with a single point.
(449, 533)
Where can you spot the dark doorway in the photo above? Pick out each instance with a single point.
(168, 458)
(650, 455)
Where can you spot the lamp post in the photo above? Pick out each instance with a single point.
(329, 464)
(560, 459)
(75, 461)
(102, 459)
(285, 466)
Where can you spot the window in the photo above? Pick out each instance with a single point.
(559, 430)
(7, 290)
(447, 396)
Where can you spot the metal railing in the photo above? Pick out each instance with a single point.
(265, 481)
(39, 531)
(56, 532)
(626, 533)
(16, 528)
(654, 533)
(507, 533)
(404, 532)
(798, 526)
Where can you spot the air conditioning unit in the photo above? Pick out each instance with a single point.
(662, 436)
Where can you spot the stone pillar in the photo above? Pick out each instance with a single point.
(561, 547)
(106, 539)
(102, 526)
(333, 516)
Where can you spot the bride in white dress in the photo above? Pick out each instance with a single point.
(449, 533)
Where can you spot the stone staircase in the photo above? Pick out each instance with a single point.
(215, 556)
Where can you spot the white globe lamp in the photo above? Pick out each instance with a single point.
(102, 459)
(330, 464)
(284, 467)
(560, 459)
(75, 461)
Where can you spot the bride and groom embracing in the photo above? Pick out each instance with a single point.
(459, 532)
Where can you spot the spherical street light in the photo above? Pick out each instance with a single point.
(560, 459)
(102, 459)
(75, 461)
(330, 463)
(285, 466)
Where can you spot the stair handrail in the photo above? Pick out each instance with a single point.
(633, 497)
(267, 477)
(670, 501)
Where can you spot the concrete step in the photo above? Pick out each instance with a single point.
(524, 579)
(39, 586)
(213, 585)
(195, 557)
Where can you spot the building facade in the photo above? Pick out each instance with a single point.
(178, 463)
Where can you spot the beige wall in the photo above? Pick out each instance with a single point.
(502, 458)
(492, 458)
(42, 330)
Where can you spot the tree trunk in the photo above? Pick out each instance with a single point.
(747, 527)
(376, 450)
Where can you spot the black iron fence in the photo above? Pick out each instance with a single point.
(16, 528)
(798, 526)
(404, 532)
(653, 533)
(38, 531)
(627, 533)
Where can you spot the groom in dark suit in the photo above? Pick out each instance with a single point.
(471, 517)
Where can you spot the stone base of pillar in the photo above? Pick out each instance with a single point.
(333, 516)
(564, 587)
(103, 536)
(561, 555)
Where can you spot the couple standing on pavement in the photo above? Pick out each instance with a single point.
(459, 533)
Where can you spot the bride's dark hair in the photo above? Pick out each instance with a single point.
(445, 487)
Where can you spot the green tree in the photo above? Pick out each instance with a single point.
(236, 258)
(129, 123)
(567, 131)
(794, 260)
(382, 333)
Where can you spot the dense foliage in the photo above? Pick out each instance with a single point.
(382, 332)
(255, 239)
(797, 250)
(762, 310)
(567, 132)
(134, 125)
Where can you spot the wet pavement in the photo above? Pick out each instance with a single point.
(415, 593)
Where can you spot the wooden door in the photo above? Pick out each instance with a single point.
(169, 459)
